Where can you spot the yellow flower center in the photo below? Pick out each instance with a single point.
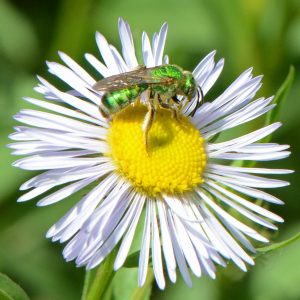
(176, 157)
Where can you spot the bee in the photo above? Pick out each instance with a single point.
(164, 84)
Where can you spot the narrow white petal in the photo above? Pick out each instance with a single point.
(161, 44)
(73, 81)
(100, 67)
(102, 188)
(77, 69)
(224, 168)
(165, 236)
(65, 111)
(105, 220)
(66, 191)
(243, 140)
(127, 241)
(187, 247)
(40, 162)
(147, 51)
(239, 236)
(242, 210)
(254, 193)
(118, 58)
(234, 222)
(240, 116)
(202, 66)
(213, 76)
(75, 102)
(156, 250)
(144, 253)
(178, 252)
(106, 54)
(237, 254)
(133, 216)
(251, 181)
(49, 120)
(211, 113)
(127, 44)
(256, 208)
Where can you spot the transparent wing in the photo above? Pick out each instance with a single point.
(130, 79)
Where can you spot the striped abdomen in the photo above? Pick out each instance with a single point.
(113, 102)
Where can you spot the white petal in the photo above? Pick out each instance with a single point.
(160, 44)
(133, 216)
(254, 193)
(144, 252)
(165, 236)
(256, 208)
(73, 81)
(83, 204)
(78, 70)
(234, 222)
(156, 250)
(75, 102)
(187, 247)
(126, 243)
(66, 191)
(65, 111)
(244, 140)
(178, 252)
(224, 168)
(147, 51)
(127, 44)
(100, 67)
(242, 210)
(106, 54)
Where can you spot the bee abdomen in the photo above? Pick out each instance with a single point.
(116, 100)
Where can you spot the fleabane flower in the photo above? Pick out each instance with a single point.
(200, 209)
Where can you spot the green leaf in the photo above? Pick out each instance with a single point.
(9, 290)
(132, 260)
(18, 41)
(144, 292)
(276, 275)
(279, 245)
(279, 99)
(125, 285)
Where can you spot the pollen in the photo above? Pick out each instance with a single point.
(175, 159)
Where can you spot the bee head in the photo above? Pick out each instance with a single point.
(189, 87)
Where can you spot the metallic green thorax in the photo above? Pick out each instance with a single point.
(166, 80)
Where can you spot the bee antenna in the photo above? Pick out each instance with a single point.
(200, 97)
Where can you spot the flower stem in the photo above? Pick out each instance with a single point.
(96, 289)
(86, 284)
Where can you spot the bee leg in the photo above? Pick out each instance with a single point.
(175, 99)
(163, 104)
(178, 105)
(170, 107)
(148, 121)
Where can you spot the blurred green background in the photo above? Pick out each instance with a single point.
(264, 34)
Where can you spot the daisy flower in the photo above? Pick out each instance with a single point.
(200, 208)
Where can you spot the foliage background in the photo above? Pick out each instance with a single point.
(260, 33)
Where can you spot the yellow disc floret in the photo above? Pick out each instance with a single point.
(176, 157)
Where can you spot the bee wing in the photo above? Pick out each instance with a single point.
(130, 79)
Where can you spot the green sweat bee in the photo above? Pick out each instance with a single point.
(164, 84)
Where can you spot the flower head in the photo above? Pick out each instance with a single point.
(186, 185)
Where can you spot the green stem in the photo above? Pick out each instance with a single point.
(102, 280)
(86, 284)
(140, 293)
